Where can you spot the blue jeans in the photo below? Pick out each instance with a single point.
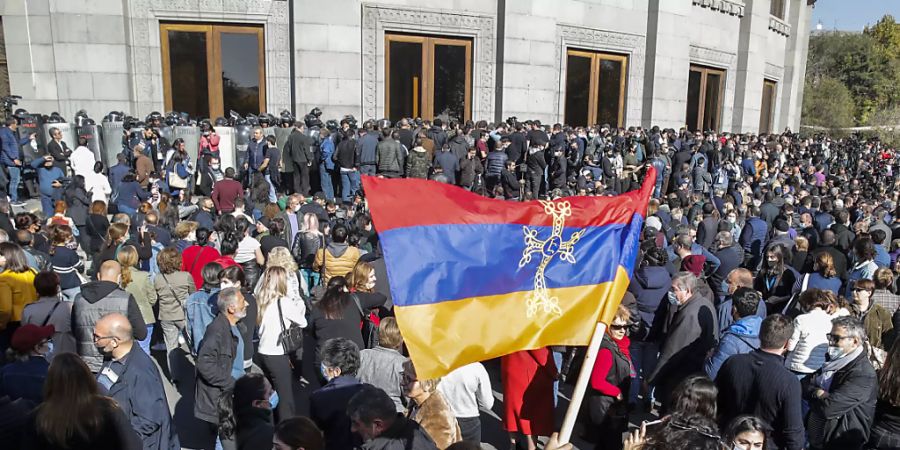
(325, 177)
(47, 204)
(272, 197)
(122, 209)
(557, 359)
(644, 356)
(145, 343)
(15, 176)
(349, 185)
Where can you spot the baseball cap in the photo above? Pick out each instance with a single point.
(27, 336)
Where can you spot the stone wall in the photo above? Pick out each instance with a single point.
(104, 55)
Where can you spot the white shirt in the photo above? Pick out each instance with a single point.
(466, 389)
(809, 343)
(269, 329)
(98, 185)
(82, 161)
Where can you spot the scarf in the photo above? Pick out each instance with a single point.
(826, 373)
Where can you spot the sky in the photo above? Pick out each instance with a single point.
(852, 15)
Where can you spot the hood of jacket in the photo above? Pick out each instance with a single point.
(653, 278)
(337, 250)
(746, 326)
(96, 290)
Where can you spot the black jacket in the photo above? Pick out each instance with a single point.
(79, 202)
(690, 335)
(254, 428)
(140, 394)
(298, 147)
(403, 434)
(328, 409)
(757, 383)
(849, 407)
(729, 259)
(60, 153)
(214, 361)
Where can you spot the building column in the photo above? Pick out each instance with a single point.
(668, 63)
(751, 67)
(790, 104)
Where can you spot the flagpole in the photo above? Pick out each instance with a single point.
(565, 433)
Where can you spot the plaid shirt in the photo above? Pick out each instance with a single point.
(886, 299)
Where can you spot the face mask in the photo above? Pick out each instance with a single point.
(273, 400)
(296, 208)
(672, 298)
(737, 447)
(324, 374)
(34, 145)
(240, 314)
(731, 219)
(215, 167)
(49, 348)
(835, 353)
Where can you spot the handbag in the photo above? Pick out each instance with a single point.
(369, 330)
(291, 339)
(175, 180)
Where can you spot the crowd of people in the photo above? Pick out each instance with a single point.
(761, 312)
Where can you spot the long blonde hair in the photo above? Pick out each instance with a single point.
(128, 259)
(359, 276)
(272, 288)
(281, 257)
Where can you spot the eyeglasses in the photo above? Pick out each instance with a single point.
(860, 290)
(835, 338)
(98, 338)
(616, 327)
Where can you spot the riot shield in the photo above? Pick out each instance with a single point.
(92, 134)
(111, 142)
(68, 133)
(31, 123)
(191, 136)
(226, 147)
(241, 141)
(281, 136)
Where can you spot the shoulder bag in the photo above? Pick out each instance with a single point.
(368, 329)
(291, 339)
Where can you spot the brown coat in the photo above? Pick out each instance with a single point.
(142, 169)
(436, 418)
(336, 265)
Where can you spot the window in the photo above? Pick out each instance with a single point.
(767, 110)
(595, 88)
(209, 70)
(428, 77)
(777, 8)
(704, 99)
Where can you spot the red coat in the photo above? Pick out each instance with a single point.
(528, 392)
(194, 258)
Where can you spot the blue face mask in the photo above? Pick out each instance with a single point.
(273, 400)
(322, 370)
(672, 298)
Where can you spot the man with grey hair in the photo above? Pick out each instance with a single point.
(220, 358)
(691, 332)
(730, 255)
(842, 394)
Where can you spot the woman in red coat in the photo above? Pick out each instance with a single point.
(528, 394)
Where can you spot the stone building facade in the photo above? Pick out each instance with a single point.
(733, 65)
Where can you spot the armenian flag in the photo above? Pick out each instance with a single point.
(474, 278)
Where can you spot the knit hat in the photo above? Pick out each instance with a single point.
(27, 336)
(694, 264)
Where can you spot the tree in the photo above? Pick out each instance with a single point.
(827, 103)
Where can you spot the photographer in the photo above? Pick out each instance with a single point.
(51, 179)
(11, 158)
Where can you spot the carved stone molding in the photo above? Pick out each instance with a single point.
(633, 45)
(730, 7)
(142, 36)
(779, 26)
(774, 72)
(712, 57)
(376, 19)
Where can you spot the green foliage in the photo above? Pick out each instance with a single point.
(827, 103)
(867, 64)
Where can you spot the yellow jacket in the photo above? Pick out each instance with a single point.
(336, 265)
(16, 291)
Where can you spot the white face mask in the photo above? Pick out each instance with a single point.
(835, 353)
(296, 208)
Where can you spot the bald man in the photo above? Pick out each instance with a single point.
(96, 299)
(132, 379)
(737, 278)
